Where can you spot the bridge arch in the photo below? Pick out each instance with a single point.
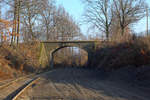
(52, 52)
(48, 48)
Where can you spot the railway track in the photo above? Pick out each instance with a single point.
(15, 94)
(23, 89)
(9, 87)
(12, 90)
(11, 81)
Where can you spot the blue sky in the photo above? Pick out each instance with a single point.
(76, 9)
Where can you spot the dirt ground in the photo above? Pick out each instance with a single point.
(82, 84)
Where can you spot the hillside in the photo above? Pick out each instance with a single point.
(18, 60)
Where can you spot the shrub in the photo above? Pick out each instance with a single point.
(116, 55)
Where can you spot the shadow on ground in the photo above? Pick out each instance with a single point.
(106, 86)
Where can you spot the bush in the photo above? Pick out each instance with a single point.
(116, 55)
(23, 58)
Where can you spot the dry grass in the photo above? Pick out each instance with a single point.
(115, 55)
(16, 60)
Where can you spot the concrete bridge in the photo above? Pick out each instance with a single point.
(48, 48)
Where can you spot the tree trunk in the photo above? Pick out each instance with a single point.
(122, 31)
(107, 34)
(14, 22)
(18, 28)
(47, 32)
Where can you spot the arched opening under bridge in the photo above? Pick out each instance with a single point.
(68, 56)
(48, 48)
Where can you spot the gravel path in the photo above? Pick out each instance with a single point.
(80, 84)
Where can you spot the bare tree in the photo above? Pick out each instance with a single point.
(128, 12)
(30, 18)
(65, 26)
(99, 14)
(41, 19)
(47, 14)
(14, 12)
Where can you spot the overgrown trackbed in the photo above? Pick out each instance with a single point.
(80, 84)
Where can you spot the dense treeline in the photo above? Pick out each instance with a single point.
(114, 17)
(39, 20)
(43, 20)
